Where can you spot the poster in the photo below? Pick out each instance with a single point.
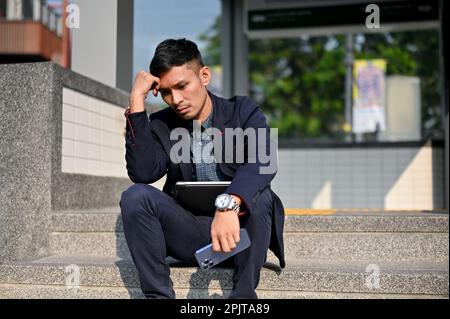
(369, 96)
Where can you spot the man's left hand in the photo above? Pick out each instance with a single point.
(225, 230)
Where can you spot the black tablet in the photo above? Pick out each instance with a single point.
(199, 197)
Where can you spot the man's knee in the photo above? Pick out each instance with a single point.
(262, 211)
(264, 202)
(136, 196)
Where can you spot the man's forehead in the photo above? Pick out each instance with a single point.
(176, 75)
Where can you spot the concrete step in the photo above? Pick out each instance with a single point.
(338, 246)
(113, 277)
(62, 292)
(400, 236)
(89, 243)
(108, 220)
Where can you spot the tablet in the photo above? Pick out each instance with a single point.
(199, 197)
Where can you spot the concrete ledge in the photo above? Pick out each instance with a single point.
(76, 190)
(32, 183)
(26, 156)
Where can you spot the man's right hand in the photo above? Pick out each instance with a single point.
(143, 84)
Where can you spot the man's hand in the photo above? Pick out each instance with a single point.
(225, 230)
(143, 83)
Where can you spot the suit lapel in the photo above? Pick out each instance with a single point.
(221, 119)
(221, 116)
(185, 168)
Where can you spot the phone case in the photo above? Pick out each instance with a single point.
(207, 258)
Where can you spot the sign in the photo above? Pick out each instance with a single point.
(278, 18)
(369, 96)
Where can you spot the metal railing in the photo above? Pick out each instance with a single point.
(32, 10)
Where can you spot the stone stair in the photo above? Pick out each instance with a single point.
(328, 256)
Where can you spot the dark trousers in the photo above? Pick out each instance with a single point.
(156, 226)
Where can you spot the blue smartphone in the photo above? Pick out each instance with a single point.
(207, 258)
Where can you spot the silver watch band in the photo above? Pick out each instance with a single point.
(236, 207)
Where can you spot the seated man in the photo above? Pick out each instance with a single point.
(155, 223)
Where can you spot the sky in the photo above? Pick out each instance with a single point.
(157, 20)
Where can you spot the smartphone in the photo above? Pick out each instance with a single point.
(207, 258)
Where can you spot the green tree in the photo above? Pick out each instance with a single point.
(212, 40)
(300, 82)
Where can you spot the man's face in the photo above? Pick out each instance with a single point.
(183, 89)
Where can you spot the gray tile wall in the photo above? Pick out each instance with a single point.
(386, 178)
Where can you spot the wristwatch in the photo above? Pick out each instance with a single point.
(226, 202)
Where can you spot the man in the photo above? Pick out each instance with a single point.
(155, 224)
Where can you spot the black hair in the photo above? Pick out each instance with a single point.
(174, 52)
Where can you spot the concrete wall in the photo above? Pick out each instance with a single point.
(385, 176)
(102, 48)
(27, 96)
(94, 45)
(34, 178)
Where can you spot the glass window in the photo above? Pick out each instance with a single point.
(413, 91)
(300, 83)
(27, 9)
(2, 9)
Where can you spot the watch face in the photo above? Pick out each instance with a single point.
(223, 201)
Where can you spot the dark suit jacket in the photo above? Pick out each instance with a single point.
(148, 147)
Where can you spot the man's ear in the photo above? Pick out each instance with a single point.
(205, 75)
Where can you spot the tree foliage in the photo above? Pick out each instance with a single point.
(300, 82)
